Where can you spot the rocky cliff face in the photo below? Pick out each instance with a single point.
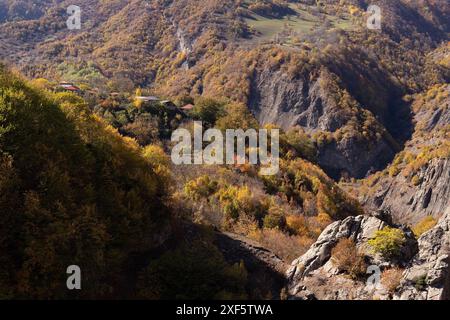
(354, 157)
(287, 101)
(315, 276)
(418, 182)
(426, 264)
(431, 266)
(265, 269)
(410, 203)
(315, 103)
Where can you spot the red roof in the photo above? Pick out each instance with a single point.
(188, 107)
(69, 87)
(72, 88)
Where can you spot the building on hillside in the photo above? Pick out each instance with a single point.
(187, 107)
(147, 98)
(68, 86)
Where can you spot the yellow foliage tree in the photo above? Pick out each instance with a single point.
(137, 102)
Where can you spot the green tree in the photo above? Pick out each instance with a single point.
(208, 110)
(237, 116)
(193, 271)
(72, 191)
(137, 102)
(388, 242)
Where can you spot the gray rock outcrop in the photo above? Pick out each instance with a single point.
(314, 274)
(359, 229)
(426, 264)
(287, 102)
(428, 276)
(411, 196)
(409, 203)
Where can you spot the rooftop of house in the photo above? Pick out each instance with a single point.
(147, 98)
(69, 86)
(188, 107)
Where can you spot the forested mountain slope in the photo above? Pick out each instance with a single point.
(221, 49)
(364, 119)
(72, 192)
(75, 192)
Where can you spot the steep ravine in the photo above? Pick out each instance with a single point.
(409, 203)
(306, 101)
(417, 183)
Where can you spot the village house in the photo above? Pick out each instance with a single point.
(187, 107)
(147, 98)
(68, 86)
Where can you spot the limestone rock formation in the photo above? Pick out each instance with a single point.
(428, 276)
(314, 275)
(426, 264)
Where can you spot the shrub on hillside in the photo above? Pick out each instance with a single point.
(145, 128)
(275, 219)
(297, 224)
(388, 242)
(240, 200)
(346, 257)
(208, 110)
(202, 187)
(298, 141)
(391, 278)
(424, 225)
(160, 162)
(237, 116)
(287, 247)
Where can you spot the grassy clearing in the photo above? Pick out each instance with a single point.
(302, 23)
